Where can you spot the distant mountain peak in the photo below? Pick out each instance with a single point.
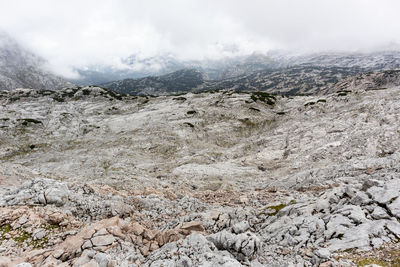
(20, 68)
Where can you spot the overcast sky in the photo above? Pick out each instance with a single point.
(81, 32)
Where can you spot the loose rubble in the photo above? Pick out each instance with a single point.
(43, 233)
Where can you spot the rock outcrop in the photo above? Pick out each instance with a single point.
(320, 228)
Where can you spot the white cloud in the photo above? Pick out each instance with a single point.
(77, 33)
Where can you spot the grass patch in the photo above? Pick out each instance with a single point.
(22, 237)
(277, 208)
(368, 261)
(385, 257)
(4, 229)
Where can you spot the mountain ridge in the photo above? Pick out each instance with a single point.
(20, 68)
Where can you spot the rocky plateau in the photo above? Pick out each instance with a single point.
(90, 177)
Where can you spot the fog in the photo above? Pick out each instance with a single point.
(81, 33)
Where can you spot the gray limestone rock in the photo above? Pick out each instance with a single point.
(57, 195)
(102, 240)
(354, 213)
(394, 228)
(39, 234)
(383, 195)
(394, 207)
(361, 198)
(240, 227)
(323, 253)
(102, 259)
(380, 213)
(195, 248)
(243, 245)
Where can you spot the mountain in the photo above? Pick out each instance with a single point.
(379, 80)
(135, 67)
(180, 81)
(20, 68)
(301, 79)
(372, 61)
(296, 80)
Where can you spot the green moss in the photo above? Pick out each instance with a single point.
(384, 257)
(279, 207)
(27, 238)
(275, 209)
(6, 228)
(22, 237)
(39, 244)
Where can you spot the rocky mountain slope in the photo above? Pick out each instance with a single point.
(373, 61)
(135, 67)
(216, 178)
(176, 82)
(20, 68)
(296, 80)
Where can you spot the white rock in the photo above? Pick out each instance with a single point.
(323, 253)
(103, 240)
(380, 213)
(240, 227)
(24, 264)
(394, 207)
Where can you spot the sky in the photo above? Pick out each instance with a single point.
(78, 33)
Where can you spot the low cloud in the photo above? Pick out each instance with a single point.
(81, 33)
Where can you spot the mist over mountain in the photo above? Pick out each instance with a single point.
(20, 68)
(274, 72)
(277, 73)
(134, 67)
